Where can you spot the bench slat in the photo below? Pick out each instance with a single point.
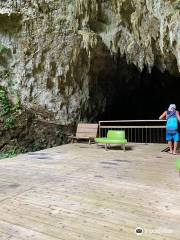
(87, 126)
(84, 130)
(86, 135)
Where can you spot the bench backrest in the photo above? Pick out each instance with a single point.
(87, 130)
(116, 134)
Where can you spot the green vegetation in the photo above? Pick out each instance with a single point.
(36, 147)
(4, 74)
(3, 48)
(8, 154)
(5, 54)
(8, 111)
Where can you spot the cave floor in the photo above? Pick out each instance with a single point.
(80, 191)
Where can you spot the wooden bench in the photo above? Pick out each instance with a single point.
(85, 131)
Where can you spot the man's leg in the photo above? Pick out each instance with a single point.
(175, 147)
(170, 146)
(176, 139)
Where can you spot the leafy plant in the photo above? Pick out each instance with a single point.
(8, 154)
(7, 110)
(9, 122)
(36, 147)
(5, 74)
(2, 48)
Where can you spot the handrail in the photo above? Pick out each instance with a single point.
(133, 121)
(133, 126)
(146, 132)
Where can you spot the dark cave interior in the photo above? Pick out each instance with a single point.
(135, 95)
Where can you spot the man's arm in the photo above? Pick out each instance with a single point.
(163, 116)
(178, 116)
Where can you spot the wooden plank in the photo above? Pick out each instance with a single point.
(82, 136)
(87, 130)
(87, 125)
(18, 232)
(75, 192)
(4, 236)
(85, 135)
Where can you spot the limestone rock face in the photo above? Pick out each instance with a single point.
(146, 32)
(58, 56)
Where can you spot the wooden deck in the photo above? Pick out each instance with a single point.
(78, 191)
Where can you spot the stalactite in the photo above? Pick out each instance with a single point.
(86, 10)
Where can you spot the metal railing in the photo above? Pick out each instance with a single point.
(139, 131)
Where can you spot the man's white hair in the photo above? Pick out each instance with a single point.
(171, 107)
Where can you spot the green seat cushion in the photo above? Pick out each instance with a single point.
(110, 141)
(178, 164)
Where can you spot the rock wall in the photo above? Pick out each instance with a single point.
(147, 32)
(58, 57)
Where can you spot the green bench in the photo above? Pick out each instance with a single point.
(113, 137)
(178, 165)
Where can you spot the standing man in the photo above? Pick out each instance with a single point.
(172, 135)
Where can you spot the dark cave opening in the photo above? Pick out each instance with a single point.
(135, 95)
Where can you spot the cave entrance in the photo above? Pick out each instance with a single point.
(135, 95)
